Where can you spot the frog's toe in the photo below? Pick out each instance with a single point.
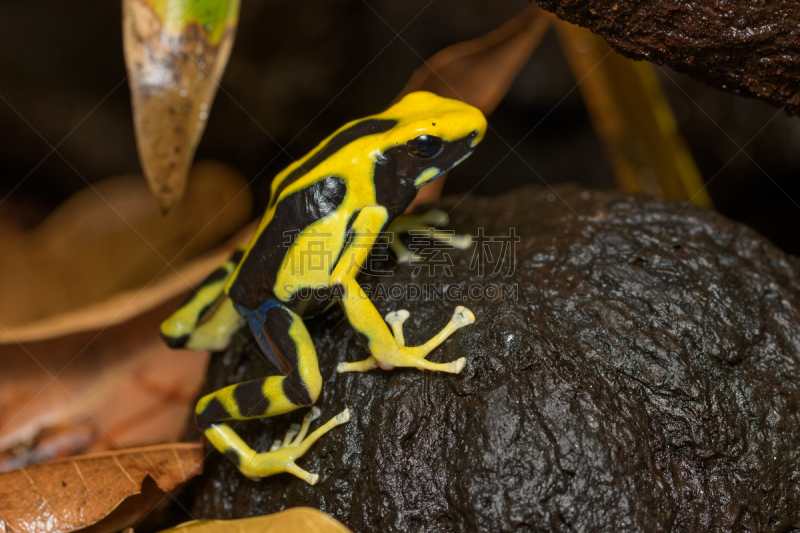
(299, 435)
(396, 319)
(399, 316)
(313, 414)
(462, 241)
(456, 366)
(463, 316)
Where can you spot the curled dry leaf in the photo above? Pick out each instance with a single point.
(74, 493)
(175, 52)
(479, 71)
(633, 118)
(117, 387)
(109, 239)
(289, 521)
(126, 304)
(99, 376)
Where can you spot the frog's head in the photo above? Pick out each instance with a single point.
(428, 135)
(432, 135)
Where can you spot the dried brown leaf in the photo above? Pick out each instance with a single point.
(288, 521)
(74, 493)
(633, 118)
(114, 375)
(175, 52)
(125, 305)
(111, 240)
(120, 386)
(481, 71)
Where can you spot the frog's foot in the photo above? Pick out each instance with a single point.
(420, 225)
(414, 357)
(403, 254)
(296, 432)
(279, 459)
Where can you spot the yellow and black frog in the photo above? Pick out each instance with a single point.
(336, 200)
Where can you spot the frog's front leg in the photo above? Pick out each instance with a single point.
(283, 337)
(388, 351)
(424, 224)
(207, 319)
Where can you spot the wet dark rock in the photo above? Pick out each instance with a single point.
(752, 48)
(645, 376)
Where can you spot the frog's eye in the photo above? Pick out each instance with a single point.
(425, 145)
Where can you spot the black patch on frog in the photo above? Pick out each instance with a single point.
(253, 285)
(214, 412)
(176, 342)
(348, 236)
(339, 141)
(363, 338)
(218, 274)
(396, 171)
(297, 392)
(337, 290)
(250, 398)
(284, 357)
(205, 310)
(349, 231)
(308, 302)
(232, 457)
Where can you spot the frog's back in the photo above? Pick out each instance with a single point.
(366, 163)
(307, 191)
(256, 277)
(305, 170)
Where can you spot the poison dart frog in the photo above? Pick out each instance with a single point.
(336, 200)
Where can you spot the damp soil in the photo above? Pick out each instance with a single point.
(636, 367)
(751, 48)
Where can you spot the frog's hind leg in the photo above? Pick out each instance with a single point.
(207, 319)
(421, 225)
(284, 339)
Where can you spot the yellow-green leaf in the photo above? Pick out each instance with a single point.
(289, 521)
(176, 52)
(212, 17)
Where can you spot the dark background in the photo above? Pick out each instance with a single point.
(301, 69)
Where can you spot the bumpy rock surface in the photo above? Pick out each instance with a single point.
(738, 45)
(646, 377)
